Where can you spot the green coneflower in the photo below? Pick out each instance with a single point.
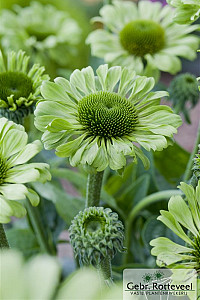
(187, 11)
(19, 86)
(94, 120)
(47, 34)
(143, 38)
(181, 215)
(15, 172)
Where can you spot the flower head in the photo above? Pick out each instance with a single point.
(15, 172)
(145, 42)
(187, 11)
(48, 35)
(94, 120)
(181, 216)
(19, 86)
(184, 93)
(95, 234)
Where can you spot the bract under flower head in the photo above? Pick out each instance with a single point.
(143, 38)
(19, 86)
(181, 215)
(187, 11)
(47, 34)
(94, 120)
(15, 172)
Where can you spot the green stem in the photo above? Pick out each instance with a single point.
(188, 172)
(156, 197)
(38, 229)
(3, 239)
(106, 270)
(94, 189)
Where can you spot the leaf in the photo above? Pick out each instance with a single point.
(66, 205)
(171, 162)
(136, 191)
(153, 229)
(116, 184)
(76, 178)
(23, 240)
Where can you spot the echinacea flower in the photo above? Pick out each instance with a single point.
(47, 34)
(143, 38)
(187, 11)
(183, 218)
(19, 86)
(94, 120)
(15, 172)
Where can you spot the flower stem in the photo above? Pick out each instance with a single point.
(105, 268)
(158, 196)
(188, 172)
(3, 239)
(38, 229)
(94, 189)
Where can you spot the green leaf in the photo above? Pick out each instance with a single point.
(116, 184)
(23, 240)
(136, 191)
(171, 162)
(153, 229)
(76, 178)
(66, 205)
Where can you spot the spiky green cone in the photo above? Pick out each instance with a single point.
(96, 233)
(184, 93)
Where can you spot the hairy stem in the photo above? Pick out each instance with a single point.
(156, 197)
(188, 172)
(105, 268)
(38, 229)
(3, 239)
(94, 189)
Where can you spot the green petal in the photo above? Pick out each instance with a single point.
(141, 87)
(169, 220)
(193, 200)
(126, 81)
(13, 142)
(179, 209)
(90, 153)
(101, 159)
(33, 197)
(69, 148)
(143, 157)
(60, 124)
(55, 92)
(22, 174)
(13, 191)
(77, 156)
(116, 159)
(25, 154)
(113, 76)
(102, 72)
(163, 244)
(167, 63)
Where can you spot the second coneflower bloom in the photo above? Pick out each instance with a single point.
(19, 86)
(143, 38)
